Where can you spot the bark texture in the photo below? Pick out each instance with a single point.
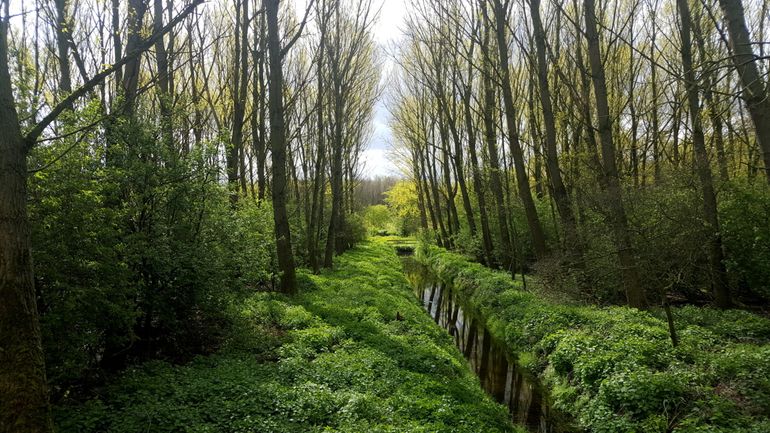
(23, 389)
(618, 220)
(278, 152)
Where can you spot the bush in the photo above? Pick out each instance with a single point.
(744, 210)
(354, 230)
(378, 219)
(403, 205)
(138, 258)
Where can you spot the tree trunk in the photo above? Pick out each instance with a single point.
(260, 143)
(454, 222)
(136, 11)
(278, 152)
(428, 198)
(617, 212)
(430, 167)
(712, 103)
(716, 256)
(490, 136)
(62, 46)
(754, 92)
(418, 186)
(117, 45)
(559, 191)
(336, 223)
(24, 402)
(320, 162)
(655, 131)
(240, 85)
(486, 236)
(164, 93)
(457, 158)
(522, 179)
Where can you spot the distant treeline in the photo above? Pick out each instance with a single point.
(371, 192)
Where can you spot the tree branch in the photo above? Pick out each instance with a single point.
(36, 131)
(299, 31)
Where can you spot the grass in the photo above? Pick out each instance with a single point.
(614, 369)
(334, 358)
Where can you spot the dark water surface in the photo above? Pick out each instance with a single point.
(496, 368)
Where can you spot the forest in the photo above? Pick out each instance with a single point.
(195, 238)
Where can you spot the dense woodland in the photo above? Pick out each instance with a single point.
(616, 148)
(150, 151)
(161, 161)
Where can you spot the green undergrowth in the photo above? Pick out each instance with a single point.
(614, 369)
(353, 352)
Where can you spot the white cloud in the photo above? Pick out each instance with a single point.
(388, 27)
(376, 163)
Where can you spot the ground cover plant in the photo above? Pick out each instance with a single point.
(615, 368)
(352, 352)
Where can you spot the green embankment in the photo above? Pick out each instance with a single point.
(614, 369)
(332, 359)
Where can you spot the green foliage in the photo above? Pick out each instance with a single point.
(614, 369)
(137, 251)
(332, 359)
(402, 202)
(251, 243)
(668, 237)
(378, 219)
(354, 230)
(744, 210)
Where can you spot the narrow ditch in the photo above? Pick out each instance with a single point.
(497, 369)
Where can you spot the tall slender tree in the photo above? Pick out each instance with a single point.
(702, 165)
(618, 220)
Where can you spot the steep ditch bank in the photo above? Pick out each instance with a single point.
(614, 369)
(499, 372)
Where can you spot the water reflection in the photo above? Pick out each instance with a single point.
(498, 372)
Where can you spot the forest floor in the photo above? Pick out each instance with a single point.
(353, 352)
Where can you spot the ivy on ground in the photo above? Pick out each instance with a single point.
(353, 352)
(615, 369)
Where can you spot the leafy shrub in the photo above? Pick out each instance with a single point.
(744, 210)
(403, 205)
(379, 220)
(139, 257)
(354, 230)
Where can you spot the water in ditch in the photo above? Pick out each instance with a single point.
(500, 375)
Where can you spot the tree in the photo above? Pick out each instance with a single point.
(24, 407)
(278, 151)
(490, 137)
(617, 213)
(702, 165)
(559, 190)
(235, 150)
(754, 88)
(347, 49)
(500, 14)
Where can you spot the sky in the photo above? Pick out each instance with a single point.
(377, 158)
